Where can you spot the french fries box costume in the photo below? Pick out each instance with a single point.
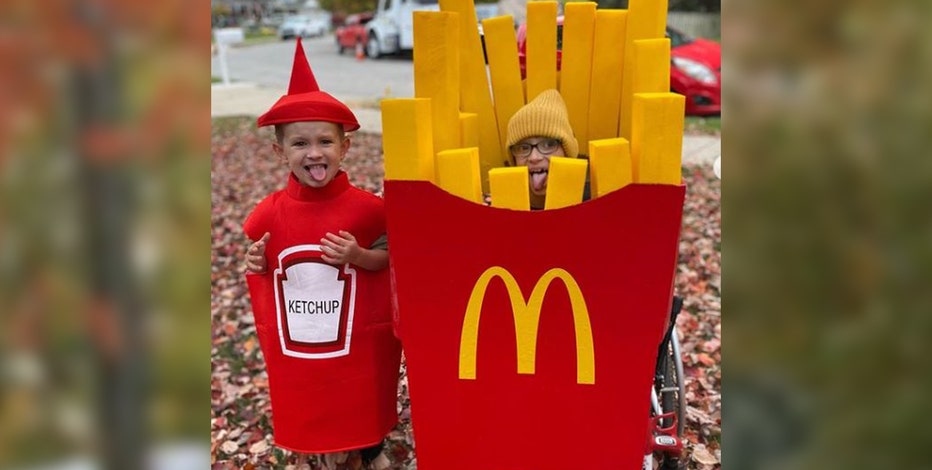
(528, 327)
(325, 331)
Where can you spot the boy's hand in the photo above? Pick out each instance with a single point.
(339, 249)
(255, 255)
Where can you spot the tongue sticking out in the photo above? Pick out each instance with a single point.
(538, 180)
(318, 172)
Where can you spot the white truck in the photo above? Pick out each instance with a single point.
(391, 31)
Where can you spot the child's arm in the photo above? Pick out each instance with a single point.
(255, 255)
(342, 248)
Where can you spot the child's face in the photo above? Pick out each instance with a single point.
(313, 150)
(535, 153)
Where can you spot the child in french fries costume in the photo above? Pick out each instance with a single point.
(539, 131)
(523, 325)
(319, 285)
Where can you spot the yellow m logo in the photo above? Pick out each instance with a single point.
(527, 319)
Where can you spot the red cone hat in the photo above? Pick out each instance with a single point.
(305, 101)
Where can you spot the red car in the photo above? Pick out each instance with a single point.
(695, 68)
(353, 31)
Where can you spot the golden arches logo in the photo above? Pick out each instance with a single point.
(527, 320)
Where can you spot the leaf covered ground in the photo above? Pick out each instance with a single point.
(245, 170)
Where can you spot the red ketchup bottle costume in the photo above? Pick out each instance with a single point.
(325, 331)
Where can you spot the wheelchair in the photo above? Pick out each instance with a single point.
(668, 401)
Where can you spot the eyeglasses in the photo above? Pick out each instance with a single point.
(545, 147)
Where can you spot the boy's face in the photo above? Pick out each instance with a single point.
(535, 153)
(313, 150)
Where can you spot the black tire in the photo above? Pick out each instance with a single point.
(669, 463)
(670, 401)
(372, 47)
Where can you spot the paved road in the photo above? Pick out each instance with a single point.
(269, 66)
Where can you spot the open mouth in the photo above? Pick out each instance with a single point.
(538, 179)
(317, 171)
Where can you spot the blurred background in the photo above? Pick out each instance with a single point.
(104, 234)
(827, 223)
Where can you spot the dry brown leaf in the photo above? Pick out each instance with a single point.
(703, 456)
(380, 463)
(260, 447)
(249, 344)
(229, 447)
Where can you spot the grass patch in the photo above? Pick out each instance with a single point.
(704, 124)
(260, 36)
(215, 79)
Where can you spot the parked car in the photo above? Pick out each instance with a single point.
(301, 25)
(695, 68)
(353, 31)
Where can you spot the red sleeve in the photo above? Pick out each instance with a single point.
(259, 220)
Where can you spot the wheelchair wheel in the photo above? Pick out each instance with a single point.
(671, 397)
(673, 393)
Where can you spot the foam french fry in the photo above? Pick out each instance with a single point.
(437, 72)
(503, 70)
(647, 19)
(657, 137)
(576, 68)
(469, 130)
(608, 46)
(609, 165)
(407, 139)
(652, 58)
(475, 96)
(458, 173)
(541, 48)
(510, 188)
(565, 182)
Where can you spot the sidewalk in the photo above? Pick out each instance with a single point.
(245, 99)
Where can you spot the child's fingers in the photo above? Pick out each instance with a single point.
(335, 238)
(347, 236)
(260, 243)
(259, 246)
(332, 251)
(328, 244)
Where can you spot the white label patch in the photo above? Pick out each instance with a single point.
(315, 304)
(313, 295)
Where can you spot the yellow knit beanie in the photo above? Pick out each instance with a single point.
(544, 116)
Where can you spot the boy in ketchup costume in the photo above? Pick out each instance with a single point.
(319, 286)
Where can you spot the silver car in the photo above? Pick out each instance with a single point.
(301, 25)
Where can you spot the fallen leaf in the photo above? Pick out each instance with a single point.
(260, 447)
(705, 359)
(703, 456)
(229, 447)
(249, 345)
